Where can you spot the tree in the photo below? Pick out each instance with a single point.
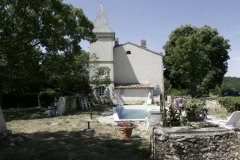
(230, 84)
(67, 72)
(195, 59)
(27, 27)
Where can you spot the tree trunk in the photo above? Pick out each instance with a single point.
(3, 126)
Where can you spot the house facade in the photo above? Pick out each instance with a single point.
(135, 72)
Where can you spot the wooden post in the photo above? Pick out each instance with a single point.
(162, 109)
(161, 105)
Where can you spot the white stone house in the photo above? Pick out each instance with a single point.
(136, 72)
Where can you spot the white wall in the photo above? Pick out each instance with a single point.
(103, 48)
(141, 66)
(132, 96)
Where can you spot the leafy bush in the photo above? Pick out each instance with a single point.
(230, 103)
(175, 92)
(21, 100)
(195, 105)
(46, 97)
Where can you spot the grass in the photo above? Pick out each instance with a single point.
(219, 114)
(63, 138)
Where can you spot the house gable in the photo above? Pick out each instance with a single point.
(150, 51)
(142, 66)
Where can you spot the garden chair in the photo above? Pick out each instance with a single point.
(149, 102)
(115, 102)
(154, 116)
(51, 112)
(230, 123)
(85, 104)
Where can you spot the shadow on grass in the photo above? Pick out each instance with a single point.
(38, 113)
(76, 145)
(24, 113)
(64, 138)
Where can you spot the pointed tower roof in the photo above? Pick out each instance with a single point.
(101, 23)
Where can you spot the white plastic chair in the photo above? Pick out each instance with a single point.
(85, 105)
(149, 102)
(153, 116)
(230, 123)
(115, 102)
(88, 104)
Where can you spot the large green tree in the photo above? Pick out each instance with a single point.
(196, 59)
(66, 72)
(30, 30)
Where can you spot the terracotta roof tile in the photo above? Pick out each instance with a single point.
(133, 86)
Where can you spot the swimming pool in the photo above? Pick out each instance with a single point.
(122, 113)
(132, 112)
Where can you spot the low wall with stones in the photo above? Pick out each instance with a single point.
(213, 104)
(210, 103)
(182, 143)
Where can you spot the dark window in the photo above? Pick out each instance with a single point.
(121, 91)
(155, 92)
(128, 52)
(100, 90)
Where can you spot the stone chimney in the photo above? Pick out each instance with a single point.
(116, 42)
(143, 43)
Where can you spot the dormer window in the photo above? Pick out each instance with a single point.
(128, 52)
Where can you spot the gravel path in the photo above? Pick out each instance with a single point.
(141, 129)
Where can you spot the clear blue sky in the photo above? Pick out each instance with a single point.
(154, 20)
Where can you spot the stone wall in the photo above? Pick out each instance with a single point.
(212, 103)
(68, 104)
(182, 143)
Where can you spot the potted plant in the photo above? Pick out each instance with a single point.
(125, 128)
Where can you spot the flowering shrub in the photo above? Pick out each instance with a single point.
(194, 105)
(125, 123)
(186, 108)
(181, 116)
(179, 103)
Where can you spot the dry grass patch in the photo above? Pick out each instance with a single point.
(63, 138)
(219, 114)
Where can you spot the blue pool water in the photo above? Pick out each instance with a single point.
(126, 113)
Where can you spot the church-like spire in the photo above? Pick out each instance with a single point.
(101, 23)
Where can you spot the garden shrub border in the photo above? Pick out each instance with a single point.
(230, 103)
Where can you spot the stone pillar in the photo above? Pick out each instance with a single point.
(3, 126)
(61, 104)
